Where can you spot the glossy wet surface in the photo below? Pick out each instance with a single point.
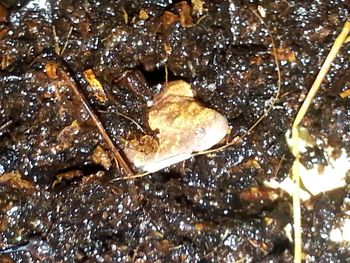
(58, 201)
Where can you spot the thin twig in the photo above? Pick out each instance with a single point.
(57, 40)
(295, 137)
(132, 120)
(132, 176)
(279, 165)
(276, 97)
(201, 19)
(119, 159)
(67, 39)
(129, 119)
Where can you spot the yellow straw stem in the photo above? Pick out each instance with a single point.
(295, 138)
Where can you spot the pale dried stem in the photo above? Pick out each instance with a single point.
(295, 138)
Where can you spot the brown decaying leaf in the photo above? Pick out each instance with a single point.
(95, 86)
(67, 176)
(185, 14)
(14, 180)
(167, 20)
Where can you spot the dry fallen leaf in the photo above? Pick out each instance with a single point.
(185, 14)
(167, 20)
(14, 180)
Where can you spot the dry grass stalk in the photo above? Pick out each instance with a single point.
(295, 138)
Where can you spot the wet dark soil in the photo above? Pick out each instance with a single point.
(61, 205)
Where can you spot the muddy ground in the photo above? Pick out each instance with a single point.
(61, 203)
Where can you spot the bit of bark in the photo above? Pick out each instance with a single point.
(255, 194)
(136, 82)
(93, 177)
(3, 224)
(84, 27)
(164, 246)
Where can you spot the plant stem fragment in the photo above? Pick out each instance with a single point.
(118, 158)
(295, 138)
